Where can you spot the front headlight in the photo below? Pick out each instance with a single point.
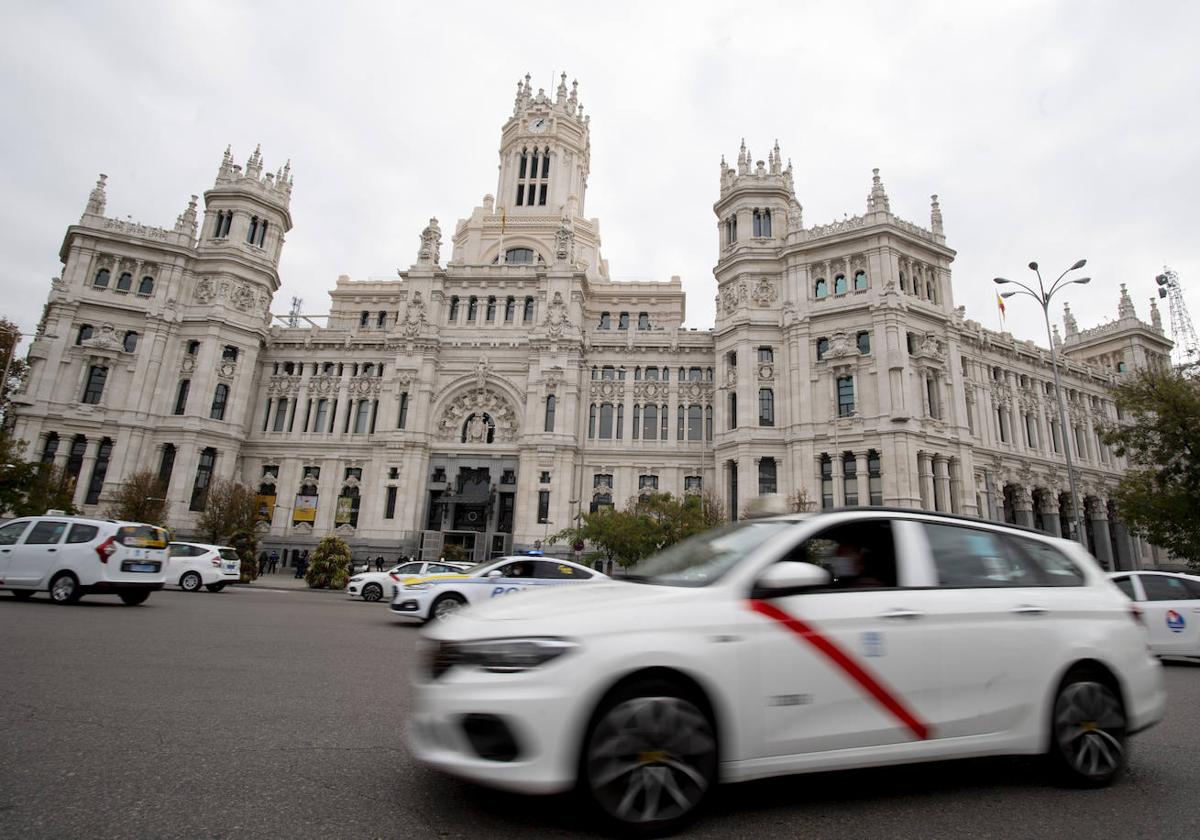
(500, 656)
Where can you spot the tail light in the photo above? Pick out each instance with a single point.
(106, 549)
(216, 561)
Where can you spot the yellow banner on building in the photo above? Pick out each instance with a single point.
(305, 510)
(345, 507)
(266, 508)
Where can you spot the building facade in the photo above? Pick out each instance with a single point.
(488, 396)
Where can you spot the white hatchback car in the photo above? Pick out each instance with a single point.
(437, 597)
(803, 643)
(194, 565)
(372, 586)
(1170, 604)
(72, 556)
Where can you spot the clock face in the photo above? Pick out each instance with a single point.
(538, 124)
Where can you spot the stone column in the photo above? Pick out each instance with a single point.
(85, 471)
(1098, 515)
(941, 479)
(957, 503)
(1023, 506)
(1050, 514)
(839, 494)
(1125, 559)
(864, 480)
(925, 476)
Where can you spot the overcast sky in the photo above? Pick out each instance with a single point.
(1050, 131)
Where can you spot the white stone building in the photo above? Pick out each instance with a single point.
(488, 396)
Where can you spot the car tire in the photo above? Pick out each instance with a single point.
(190, 582)
(64, 589)
(445, 606)
(133, 597)
(372, 592)
(1087, 730)
(22, 594)
(214, 587)
(649, 757)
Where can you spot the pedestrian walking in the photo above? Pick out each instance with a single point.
(379, 563)
(273, 560)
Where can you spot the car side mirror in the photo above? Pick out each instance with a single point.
(790, 576)
(494, 573)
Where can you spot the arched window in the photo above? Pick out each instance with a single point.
(839, 284)
(453, 309)
(262, 232)
(766, 222)
(849, 479)
(510, 309)
(381, 319)
(146, 287)
(50, 448)
(528, 316)
(761, 223)
(520, 255)
(860, 280)
(551, 404)
(592, 421)
(472, 308)
(125, 282)
(225, 224)
(220, 397)
(130, 342)
(75, 456)
(491, 308)
(252, 234)
(820, 288)
(101, 279)
(85, 332)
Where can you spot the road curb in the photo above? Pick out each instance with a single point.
(251, 587)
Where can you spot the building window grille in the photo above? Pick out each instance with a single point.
(766, 407)
(845, 396)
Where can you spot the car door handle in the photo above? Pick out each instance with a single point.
(1028, 609)
(901, 615)
(52, 549)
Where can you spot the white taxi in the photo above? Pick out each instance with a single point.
(1170, 605)
(437, 597)
(846, 639)
(371, 586)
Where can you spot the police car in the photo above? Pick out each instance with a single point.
(1170, 605)
(800, 643)
(436, 597)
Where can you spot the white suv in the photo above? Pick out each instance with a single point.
(840, 640)
(193, 565)
(73, 556)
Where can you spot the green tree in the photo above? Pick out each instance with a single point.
(29, 488)
(141, 498)
(454, 553)
(1159, 434)
(10, 337)
(245, 543)
(329, 566)
(649, 523)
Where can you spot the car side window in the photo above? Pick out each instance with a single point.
(46, 533)
(975, 558)
(550, 570)
(82, 534)
(1193, 586)
(1125, 584)
(1164, 588)
(519, 569)
(10, 533)
(410, 569)
(1056, 568)
(859, 554)
(440, 569)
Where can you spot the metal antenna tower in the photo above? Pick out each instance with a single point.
(294, 313)
(1187, 347)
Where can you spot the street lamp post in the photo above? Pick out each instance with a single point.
(1043, 298)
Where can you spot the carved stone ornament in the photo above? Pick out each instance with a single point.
(483, 370)
(766, 371)
(323, 385)
(242, 297)
(344, 530)
(303, 528)
(350, 483)
(475, 405)
(431, 243)
(226, 369)
(206, 291)
(564, 241)
(188, 363)
(553, 379)
(764, 292)
(364, 386)
(608, 389)
(556, 316)
(405, 378)
(104, 338)
(695, 390)
(841, 347)
(650, 390)
(414, 317)
(731, 376)
(283, 385)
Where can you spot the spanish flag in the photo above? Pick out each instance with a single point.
(1000, 303)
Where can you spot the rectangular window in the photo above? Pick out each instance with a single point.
(664, 419)
(528, 314)
(402, 418)
(692, 484)
(605, 321)
(510, 309)
(850, 479)
(845, 396)
(389, 504)
(623, 321)
(220, 398)
(650, 426)
(875, 478)
(766, 354)
(166, 465)
(647, 482)
(826, 482)
(766, 407)
(637, 421)
(732, 411)
(453, 317)
(281, 410)
(620, 420)
(643, 321)
(767, 480)
(204, 472)
(473, 307)
(181, 396)
(606, 421)
(95, 384)
(322, 418)
(362, 414)
(543, 516)
(695, 422)
(864, 343)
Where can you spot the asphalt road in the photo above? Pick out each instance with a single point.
(277, 714)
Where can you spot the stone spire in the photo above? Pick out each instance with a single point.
(97, 198)
(186, 221)
(1057, 337)
(877, 201)
(254, 163)
(935, 216)
(1069, 322)
(1125, 307)
(1155, 316)
(776, 158)
(560, 95)
(743, 164)
(573, 99)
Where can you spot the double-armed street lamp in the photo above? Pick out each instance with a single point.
(1042, 296)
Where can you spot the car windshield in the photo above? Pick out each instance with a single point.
(704, 558)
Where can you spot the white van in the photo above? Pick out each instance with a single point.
(193, 565)
(73, 556)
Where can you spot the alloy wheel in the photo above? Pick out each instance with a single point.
(62, 590)
(446, 607)
(1089, 726)
(651, 760)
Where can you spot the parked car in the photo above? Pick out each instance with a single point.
(73, 556)
(371, 586)
(1170, 605)
(437, 597)
(802, 643)
(193, 565)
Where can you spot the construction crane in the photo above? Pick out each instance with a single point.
(1187, 348)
